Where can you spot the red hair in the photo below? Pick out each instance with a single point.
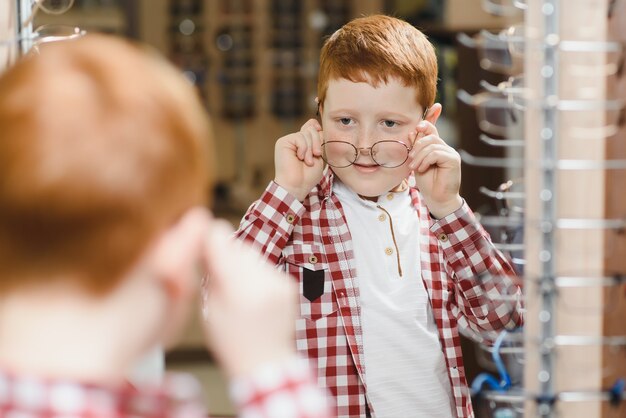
(374, 48)
(102, 146)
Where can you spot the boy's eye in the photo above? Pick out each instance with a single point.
(345, 121)
(390, 123)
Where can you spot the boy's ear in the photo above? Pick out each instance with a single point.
(433, 113)
(177, 251)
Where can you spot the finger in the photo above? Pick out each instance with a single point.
(425, 128)
(435, 158)
(317, 144)
(314, 143)
(311, 124)
(432, 154)
(309, 136)
(443, 158)
(299, 141)
(424, 142)
(313, 139)
(217, 253)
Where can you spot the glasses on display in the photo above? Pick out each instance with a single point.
(504, 7)
(386, 153)
(510, 404)
(46, 34)
(501, 52)
(53, 7)
(509, 200)
(55, 33)
(572, 302)
(577, 358)
(499, 111)
(513, 89)
(495, 112)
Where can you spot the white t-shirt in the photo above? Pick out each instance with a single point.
(405, 370)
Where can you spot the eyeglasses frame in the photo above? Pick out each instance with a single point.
(371, 154)
(358, 150)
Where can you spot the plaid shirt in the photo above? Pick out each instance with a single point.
(285, 391)
(311, 241)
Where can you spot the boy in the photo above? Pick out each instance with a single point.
(104, 173)
(387, 254)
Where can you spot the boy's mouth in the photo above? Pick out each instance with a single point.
(366, 168)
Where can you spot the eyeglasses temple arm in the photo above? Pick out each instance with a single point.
(33, 12)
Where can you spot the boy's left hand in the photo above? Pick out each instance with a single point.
(437, 169)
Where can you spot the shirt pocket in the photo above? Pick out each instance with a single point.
(307, 263)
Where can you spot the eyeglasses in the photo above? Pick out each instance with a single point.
(496, 114)
(386, 153)
(504, 7)
(501, 52)
(509, 202)
(47, 33)
(503, 112)
(53, 7)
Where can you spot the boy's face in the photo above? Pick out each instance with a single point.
(362, 115)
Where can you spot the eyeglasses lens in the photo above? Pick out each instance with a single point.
(387, 154)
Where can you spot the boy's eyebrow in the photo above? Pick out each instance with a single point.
(342, 110)
(383, 114)
(394, 115)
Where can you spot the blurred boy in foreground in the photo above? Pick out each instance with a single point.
(104, 173)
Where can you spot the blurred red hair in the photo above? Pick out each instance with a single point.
(102, 146)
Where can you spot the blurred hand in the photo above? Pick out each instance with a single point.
(437, 168)
(249, 307)
(298, 159)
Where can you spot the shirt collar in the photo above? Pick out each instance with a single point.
(328, 180)
(326, 184)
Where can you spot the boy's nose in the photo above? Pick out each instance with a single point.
(365, 151)
(364, 140)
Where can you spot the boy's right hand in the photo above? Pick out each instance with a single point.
(298, 159)
(249, 307)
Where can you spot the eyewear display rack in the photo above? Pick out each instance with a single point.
(28, 25)
(575, 211)
(567, 97)
(13, 28)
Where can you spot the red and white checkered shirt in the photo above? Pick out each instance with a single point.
(277, 391)
(460, 268)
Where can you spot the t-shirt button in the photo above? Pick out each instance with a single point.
(388, 251)
(443, 237)
(291, 218)
(382, 217)
(312, 259)
(390, 196)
